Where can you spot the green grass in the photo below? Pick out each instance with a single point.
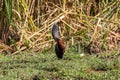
(46, 66)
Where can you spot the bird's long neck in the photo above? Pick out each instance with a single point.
(55, 32)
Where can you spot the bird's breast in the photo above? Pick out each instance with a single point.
(61, 45)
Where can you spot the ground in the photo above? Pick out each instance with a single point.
(44, 65)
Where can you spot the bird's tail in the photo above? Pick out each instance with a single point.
(55, 32)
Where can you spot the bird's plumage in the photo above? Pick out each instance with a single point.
(55, 32)
(59, 47)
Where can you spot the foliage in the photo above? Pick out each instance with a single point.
(45, 65)
(93, 23)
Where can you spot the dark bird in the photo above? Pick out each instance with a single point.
(59, 47)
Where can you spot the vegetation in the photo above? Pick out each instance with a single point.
(92, 25)
(27, 24)
(46, 66)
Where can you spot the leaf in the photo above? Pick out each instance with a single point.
(8, 6)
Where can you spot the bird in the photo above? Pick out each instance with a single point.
(59, 46)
